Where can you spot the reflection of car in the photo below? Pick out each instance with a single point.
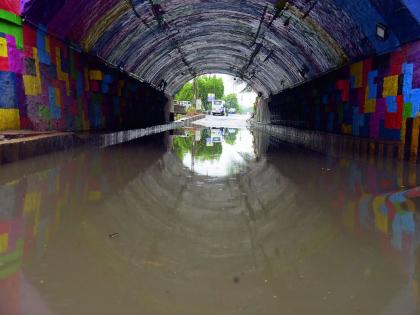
(216, 135)
(232, 110)
(218, 107)
(186, 104)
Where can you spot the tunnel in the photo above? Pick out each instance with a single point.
(338, 66)
(110, 203)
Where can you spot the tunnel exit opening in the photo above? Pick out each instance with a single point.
(206, 92)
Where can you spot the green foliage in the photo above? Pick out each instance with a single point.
(186, 93)
(205, 153)
(232, 101)
(230, 136)
(206, 85)
(210, 85)
(184, 145)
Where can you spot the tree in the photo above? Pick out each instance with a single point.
(231, 135)
(186, 93)
(210, 85)
(202, 152)
(206, 85)
(232, 101)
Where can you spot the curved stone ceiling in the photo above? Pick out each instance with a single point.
(271, 44)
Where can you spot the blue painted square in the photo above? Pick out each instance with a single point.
(391, 104)
(108, 79)
(352, 82)
(105, 87)
(408, 70)
(41, 43)
(373, 87)
(8, 96)
(55, 110)
(415, 101)
(330, 123)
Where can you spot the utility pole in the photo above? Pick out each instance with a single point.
(195, 93)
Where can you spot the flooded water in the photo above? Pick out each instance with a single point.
(208, 221)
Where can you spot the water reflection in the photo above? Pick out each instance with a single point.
(215, 152)
(289, 232)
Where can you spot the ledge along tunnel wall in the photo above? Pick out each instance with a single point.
(47, 85)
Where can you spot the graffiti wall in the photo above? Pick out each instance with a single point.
(375, 98)
(46, 85)
(11, 52)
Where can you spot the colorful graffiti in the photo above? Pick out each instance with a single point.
(169, 41)
(33, 207)
(46, 85)
(11, 47)
(375, 98)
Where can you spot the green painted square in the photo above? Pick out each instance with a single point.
(408, 110)
(15, 30)
(44, 113)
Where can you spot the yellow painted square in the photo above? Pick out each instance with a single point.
(96, 75)
(346, 129)
(3, 47)
(57, 97)
(31, 85)
(4, 243)
(94, 195)
(9, 119)
(381, 219)
(356, 70)
(32, 202)
(390, 86)
(370, 104)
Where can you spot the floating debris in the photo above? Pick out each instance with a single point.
(114, 235)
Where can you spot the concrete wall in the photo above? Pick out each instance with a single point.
(46, 85)
(377, 98)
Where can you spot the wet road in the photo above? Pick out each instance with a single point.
(208, 221)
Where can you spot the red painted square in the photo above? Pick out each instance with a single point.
(10, 6)
(25, 123)
(94, 86)
(367, 67)
(4, 64)
(394, 120)
(344, 87)
(4, 227)
(29, 37)
(398, 58)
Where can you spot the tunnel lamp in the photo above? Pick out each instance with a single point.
(381, 31)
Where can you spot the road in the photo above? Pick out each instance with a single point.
(231, 121)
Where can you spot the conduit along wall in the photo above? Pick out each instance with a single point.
(47, 85)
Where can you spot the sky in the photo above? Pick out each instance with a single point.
(245, 99)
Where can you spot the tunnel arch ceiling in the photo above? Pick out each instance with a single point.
(271, 44)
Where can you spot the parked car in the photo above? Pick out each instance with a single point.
(218, 107)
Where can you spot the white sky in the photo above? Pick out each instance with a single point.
(245, 99)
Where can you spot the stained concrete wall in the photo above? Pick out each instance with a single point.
(377, 98)
(46, 85)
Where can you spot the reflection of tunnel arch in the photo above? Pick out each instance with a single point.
(182, 241)
(270, 44)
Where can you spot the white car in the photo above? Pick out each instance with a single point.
(218, 107)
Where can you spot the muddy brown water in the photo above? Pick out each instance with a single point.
(208, 221)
